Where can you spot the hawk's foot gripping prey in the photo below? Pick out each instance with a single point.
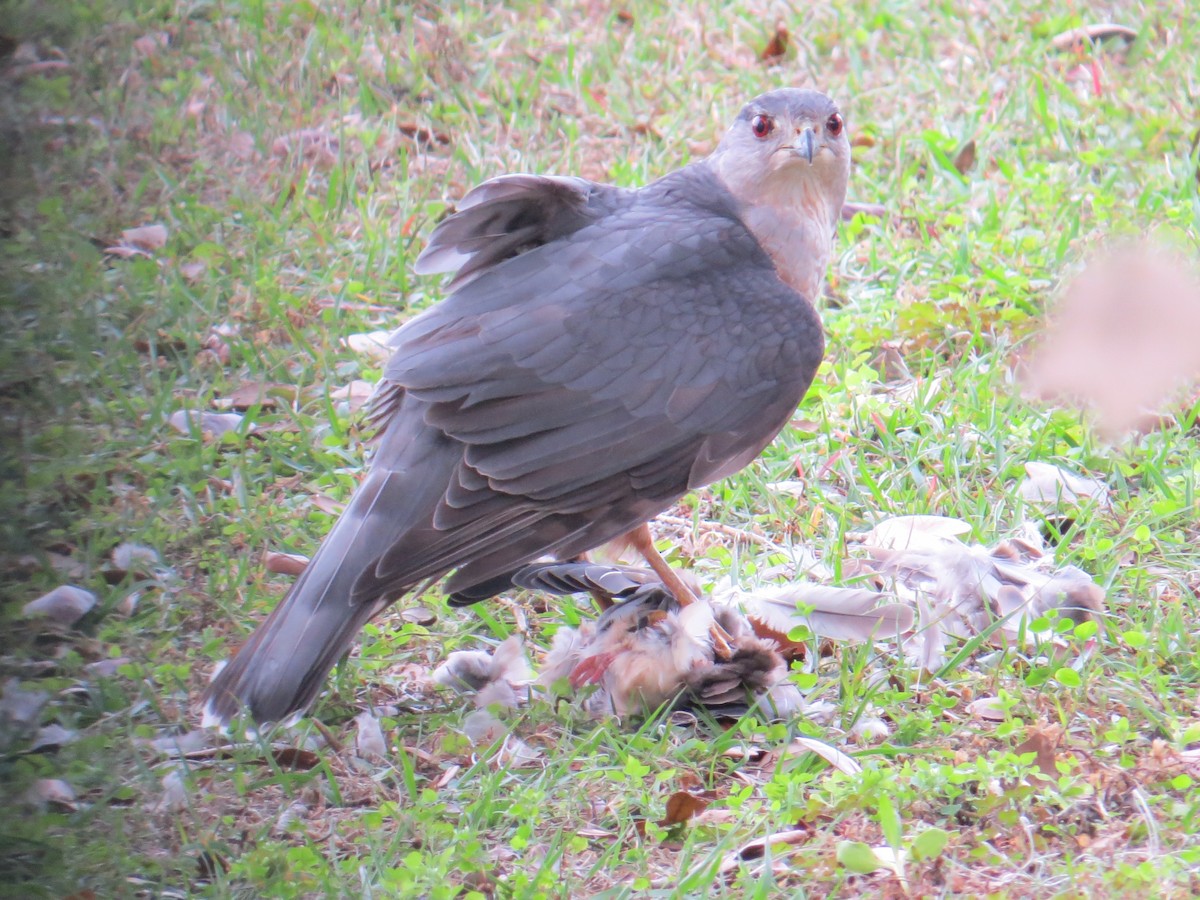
(602, 352)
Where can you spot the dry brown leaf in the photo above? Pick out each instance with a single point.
(777, 46)
(295, 758)
(683, 805)
(211, 425)
(314, 145)
(964, 159)
(129, 604)
(284, 563)
(423, 135)
(66, 604)
(19, 708)
(373, 344)
(51, 792)
(419, 615)
(193, 271)
(746, 754)
(1076, 38)
(354, 396)
(843, 762)
(150, 44)
(1041, 743)
(713, 817)
(756, 849)
(369, 742)
(265, 394)
(42, 67)
(123, 252)
(136, 558)
(107, 668)
(145, 237)
(989, 709)
(242, 146)
(52, 737)
(328, 505)
(869, 210)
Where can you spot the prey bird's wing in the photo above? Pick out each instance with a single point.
(584, 577)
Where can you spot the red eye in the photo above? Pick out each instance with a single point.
(762, 126)
(834, 124)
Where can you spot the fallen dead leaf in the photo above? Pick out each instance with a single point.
(314, 146)
(369, 742)
(419, 615)
(683, 805)
(150, 44)
(51, 737)
(422, 135)
(756, 849)
(136, 558)
(145, 237)
(1093, 34)
(868, 210)
(328, 505)
(373, 344)
(296, 811)
(297, 758)
(211, 425)
(66, 604)
(746, 754)
(107, 668)
(989, 709)
(353, 396)
(777, 46)
(174, 795)
(1041, 743)
(51, 792)
(193, 271)
(843, 762)
(19, 708)
(284, 563)
(964, 159)
(264, 394)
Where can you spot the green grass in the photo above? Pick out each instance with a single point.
(286, 251)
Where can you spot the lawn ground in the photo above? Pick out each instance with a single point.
(296, 156)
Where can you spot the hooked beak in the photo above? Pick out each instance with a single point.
(804, 144)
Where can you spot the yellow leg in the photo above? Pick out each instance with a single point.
(642, 541)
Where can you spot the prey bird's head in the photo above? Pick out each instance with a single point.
(787, 147)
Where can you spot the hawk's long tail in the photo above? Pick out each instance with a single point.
(279, 671)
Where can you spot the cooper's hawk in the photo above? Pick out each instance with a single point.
(602, 352)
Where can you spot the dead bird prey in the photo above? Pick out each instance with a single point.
(649, 649)
(602, 352)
